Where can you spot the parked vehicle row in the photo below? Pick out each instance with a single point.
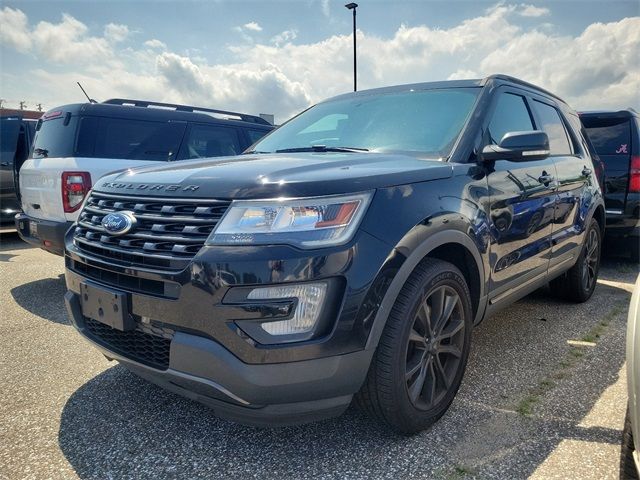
(347, 255)
(77, 144)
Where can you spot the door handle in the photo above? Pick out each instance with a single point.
(545, 178)
(586, 172)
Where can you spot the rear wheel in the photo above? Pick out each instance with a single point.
(579, 282)
(423, 351)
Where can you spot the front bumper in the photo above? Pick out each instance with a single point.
(272, 394)
(50, 234)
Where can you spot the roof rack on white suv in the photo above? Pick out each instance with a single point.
(186, 108)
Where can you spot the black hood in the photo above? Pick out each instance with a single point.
(274, 175)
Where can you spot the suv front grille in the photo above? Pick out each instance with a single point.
(148, 345)
(167, 235)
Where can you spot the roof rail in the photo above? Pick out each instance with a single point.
(186, 108)
(509, 78)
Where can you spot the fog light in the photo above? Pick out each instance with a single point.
(310, 299)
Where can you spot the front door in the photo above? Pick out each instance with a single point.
(573, 170)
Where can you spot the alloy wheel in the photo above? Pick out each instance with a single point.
(434, 347)
(591, 259)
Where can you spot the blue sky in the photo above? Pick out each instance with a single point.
(280, 56)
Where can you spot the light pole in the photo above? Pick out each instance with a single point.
(352, 7)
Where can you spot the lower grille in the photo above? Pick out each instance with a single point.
(127, 282)
(148, 345)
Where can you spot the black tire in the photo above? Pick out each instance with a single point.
(437, 345)
(627, 465)
(579, 282)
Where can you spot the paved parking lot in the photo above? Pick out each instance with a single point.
(543, 397)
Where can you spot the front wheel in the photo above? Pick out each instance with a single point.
(579, 282)
(423, 351)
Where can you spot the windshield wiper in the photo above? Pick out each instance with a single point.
(43, 152)
(322, 148)
(255, 152)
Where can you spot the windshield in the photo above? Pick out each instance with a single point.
(421, 122)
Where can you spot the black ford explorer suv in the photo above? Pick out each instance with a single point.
(349, 254)
(616, 138)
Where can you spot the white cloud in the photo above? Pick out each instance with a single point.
(533, 11)
(597, 68)
(326, 8)
(284, 37)
(253, 26)
(115, 32)
(155, 43)
(14, 32)
(69, 42)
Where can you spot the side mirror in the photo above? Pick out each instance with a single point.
(518, 147)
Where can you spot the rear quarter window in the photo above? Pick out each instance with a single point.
(609, 136)
(55, 137)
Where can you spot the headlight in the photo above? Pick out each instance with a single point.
(305, 223)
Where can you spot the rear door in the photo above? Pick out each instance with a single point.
(573, 171)
(522, 201)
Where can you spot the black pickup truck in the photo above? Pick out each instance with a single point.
(348, 255)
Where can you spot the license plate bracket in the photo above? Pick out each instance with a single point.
(33, 229)
(107, 306)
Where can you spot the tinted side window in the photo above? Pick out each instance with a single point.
(553, 125)
(54, 138)
(9, 130)
(255, 135)
(124, 138)
(610, 136)
(511, 115)
(210, 141)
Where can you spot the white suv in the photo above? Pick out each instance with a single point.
(77, 144)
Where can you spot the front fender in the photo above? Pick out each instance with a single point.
(402, 262)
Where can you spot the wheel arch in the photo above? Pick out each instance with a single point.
(599, 215)
(452, 246)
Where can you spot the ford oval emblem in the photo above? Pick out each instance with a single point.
(118, 223)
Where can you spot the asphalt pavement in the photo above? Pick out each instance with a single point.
(543, 397)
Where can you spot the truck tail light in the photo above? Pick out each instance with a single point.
(75, 186)
(634, 174)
